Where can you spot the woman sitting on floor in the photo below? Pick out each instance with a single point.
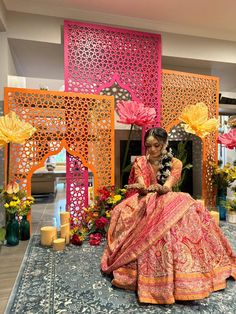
(164, 244)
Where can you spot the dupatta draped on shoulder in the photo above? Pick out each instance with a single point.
(139, 221)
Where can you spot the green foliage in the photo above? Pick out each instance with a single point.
(181, 154)
(223, 177)
(230, 204)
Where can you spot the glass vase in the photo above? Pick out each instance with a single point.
(12, 230)
(24, 229)
(220, 199)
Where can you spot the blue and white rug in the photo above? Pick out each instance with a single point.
(71, 282)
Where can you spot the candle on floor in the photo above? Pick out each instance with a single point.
(48, 234)
(202, 201)
(216, 216)
(58, 244)
(65, 232)
(64, 217)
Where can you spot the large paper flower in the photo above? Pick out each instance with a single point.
(133, 112)
(196, 120)
(13, 130)
(12, 188)
(228, 139)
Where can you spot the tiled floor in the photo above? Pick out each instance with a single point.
(45, 211)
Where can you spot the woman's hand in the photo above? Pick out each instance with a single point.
(137, 186)
(154, 188)
(164, 189)
(160, 189)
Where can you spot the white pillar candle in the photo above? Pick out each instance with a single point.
(64, 218)
(48, 234)
(216, 216)
(58, 244)
(65, 232)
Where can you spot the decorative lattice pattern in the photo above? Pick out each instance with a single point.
(76, 190)
(96, 56)
(180, 90)
(117, 91)
(83, 124)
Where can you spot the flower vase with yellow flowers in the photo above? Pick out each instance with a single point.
(223, 177)
(11, 199)
(230, 205)
(22, 213)
(12, 130)
(17, 206)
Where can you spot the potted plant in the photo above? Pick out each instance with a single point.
(230, 205)
(24, 210)
(11, 199)
(223, 177)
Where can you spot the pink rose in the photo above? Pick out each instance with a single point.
(95, 239)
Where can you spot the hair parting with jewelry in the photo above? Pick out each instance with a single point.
(166, 157)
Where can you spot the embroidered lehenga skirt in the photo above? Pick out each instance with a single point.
(167, 248)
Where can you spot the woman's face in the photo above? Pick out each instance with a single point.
(153, 147)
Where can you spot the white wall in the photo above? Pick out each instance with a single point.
(48, 29)
(11, 64)
(3, 24)
(35, 83)
(3, 63)
(34, 27)
(198, 48)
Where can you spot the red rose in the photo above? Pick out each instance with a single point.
(95, 239)
(104, 194)
(76, 239)
(101, 222)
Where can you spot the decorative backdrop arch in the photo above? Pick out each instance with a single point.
(83, 124)
(179, 90)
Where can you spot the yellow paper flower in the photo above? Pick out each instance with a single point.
(196, 120)
(12, 129)
(12, 188)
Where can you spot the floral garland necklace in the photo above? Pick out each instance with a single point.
(165, 166)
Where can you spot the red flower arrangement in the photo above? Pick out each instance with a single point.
(96, 217)
(95, 239)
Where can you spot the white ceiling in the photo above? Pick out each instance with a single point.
(204, 18)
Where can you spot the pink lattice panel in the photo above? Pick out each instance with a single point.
(180, 90)
(76, 189)
(97, 56)
(83, 124)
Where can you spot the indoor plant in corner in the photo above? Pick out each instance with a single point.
(24, 210)
(230, 205)
(11, 199)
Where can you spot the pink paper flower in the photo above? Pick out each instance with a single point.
(228, 139)
(133, 112)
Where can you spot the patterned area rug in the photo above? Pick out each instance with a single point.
(71, 282)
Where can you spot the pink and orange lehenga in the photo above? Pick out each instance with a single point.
(166, 247)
